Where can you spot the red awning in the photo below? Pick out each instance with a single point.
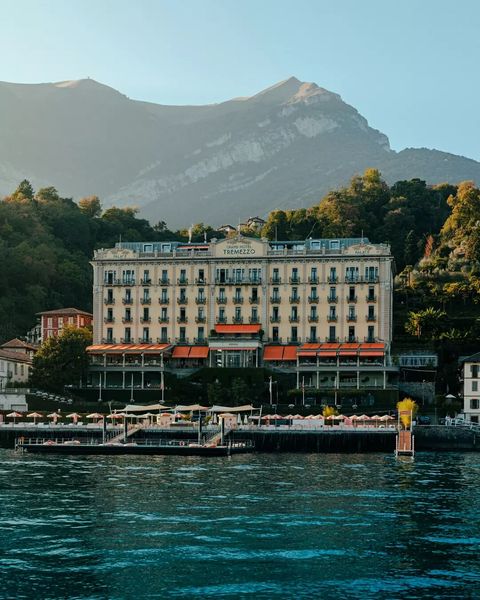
(290, 353)
(199, 352)
(306, 353)
(348, 353)
(368, 354)
(181, 352)
(238, 328)
(327, 354)
(273, 353)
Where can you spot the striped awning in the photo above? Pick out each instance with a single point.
(126, 348)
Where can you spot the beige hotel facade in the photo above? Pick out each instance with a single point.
(321, 308)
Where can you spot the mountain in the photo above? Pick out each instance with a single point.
(284, 147)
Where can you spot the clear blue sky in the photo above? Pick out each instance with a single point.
(411, 67)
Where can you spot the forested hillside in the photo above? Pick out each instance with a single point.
(46, 243)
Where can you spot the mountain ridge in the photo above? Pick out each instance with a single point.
(283, 147)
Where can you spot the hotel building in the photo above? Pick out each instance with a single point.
(319, 308)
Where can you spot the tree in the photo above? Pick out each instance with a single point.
(90, 206)
(428, 323)
(215, 392)
(240, 392)
(24, 190)
(61, 360)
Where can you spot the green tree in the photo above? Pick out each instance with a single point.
(427, 323)
(240, 392)
(215, 392)
(24, 190)
(90, 206)
(61, 360)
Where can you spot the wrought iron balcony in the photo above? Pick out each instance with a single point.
(127, 300)
(352, 318)
(201, 300)
(163, 340)
(313, 279)
(254, 300)
(182, 300)
(109, 340)
(332, 279)
(294, 299)
(182, 319)
(275, 319)
(294, 319)
(221, 320)
(371, 318)
(109, 319)
(370, 298)
(221, 300)
(237, 300)
(253, 320)
(275, 280)
(163, 300)
(332, 340)
(275, 299)
(237, 320)
(313, 318)
(182, 281)
(295, 279)
(294, 340)
(332, 298)
(147, 281)
(313, 299)
(200, 340)
(332, 318)
(127, 319)
(163, 319)
(145, 319)
(109, 300)
(200, 281)
(352, 299)
(199, 319)
(182, 340)
(145, 340)
(164, 281)
(312, 340)
(145, 300)
(126, 340)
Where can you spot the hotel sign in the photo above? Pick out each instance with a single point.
(240, 247)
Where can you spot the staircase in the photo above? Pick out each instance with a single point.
(119, 438)
(215, 438)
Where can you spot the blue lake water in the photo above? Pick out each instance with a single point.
(253, 526)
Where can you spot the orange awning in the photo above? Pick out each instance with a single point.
(328, 354)
(181, 352)
(306, 353)
(290, 353)
(368, 354)
(348, 353)
(237, 328)
(273, 353)
(199, 352)
(127, 348)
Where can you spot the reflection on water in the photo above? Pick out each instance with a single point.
(263, 526)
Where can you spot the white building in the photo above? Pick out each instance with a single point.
(471, 388)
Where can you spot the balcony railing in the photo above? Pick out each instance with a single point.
(254, 300)
(144, 340)
(332, 298)
(313, 318)
(312, 340)
(109, 340)
(221, 300)
(294, 319)
(370, 298)
(182, 281)
(182, 319)
(332, 340)
(200, 319)
(126, 340)
(109, 300)
(275, 319)
(253, 320)
(295, 279)
(182, 340)
(145, 319)
(351, 318)
(200, 281)
(238, 281)
(275, 299)
(371, 318)
(145, 300)
(127, 300)
(351, 299)
(238, 300)
(370, 339)
(275, 280)
(163, 319)
(332, 318)
(109, 319)
(182, 300)
(313, 299)
(129, 282)
(164, 281)
(313, 279)
(221, 320)
(200, 340)
(332, 279)
(294, 340)
(201, 300)
(237, 320)
(112, 282)
(163, 300)
(294, 299)
(145, 281)
(163, 340)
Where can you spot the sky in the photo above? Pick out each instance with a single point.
(411, 67)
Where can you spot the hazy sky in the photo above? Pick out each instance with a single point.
(411, 67)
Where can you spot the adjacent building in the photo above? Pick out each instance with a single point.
(53, 321)
(471, 388)
(319, 308)
(15, 363)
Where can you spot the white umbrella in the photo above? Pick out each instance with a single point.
(35, 416)
(74, 416)
(94, 416)
(14, 415)
(54, 416)
(387, 418)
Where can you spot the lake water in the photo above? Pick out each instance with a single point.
(253, 526)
